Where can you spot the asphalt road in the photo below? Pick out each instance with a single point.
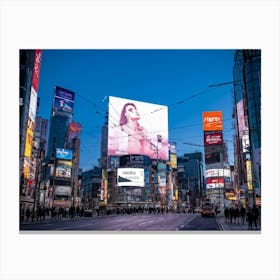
(160, 222)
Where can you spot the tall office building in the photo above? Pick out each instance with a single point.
(29, 66)
(247, 112)
(104, 145)
(63, 150)
(190, 176)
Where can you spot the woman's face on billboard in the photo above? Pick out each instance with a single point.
(132, 113)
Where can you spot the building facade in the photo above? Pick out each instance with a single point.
(190, 178)
(247, 113)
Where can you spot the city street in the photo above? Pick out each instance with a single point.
(142, 222)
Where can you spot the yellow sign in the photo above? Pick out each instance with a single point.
(173, 159)
(249, 175)
(28, 143)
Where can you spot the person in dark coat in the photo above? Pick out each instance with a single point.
(250, 218)
(28, 213)
(256, 213)
(242, 214)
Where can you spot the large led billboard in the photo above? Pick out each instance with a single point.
(217, 173)
(63, 101)
(63, 168)
(64, 154)
(212, 121)
(131, 177)
(136, 127)
(32, 105)
(213, 138)
(212, 183)
(62, 190)
(28, 143)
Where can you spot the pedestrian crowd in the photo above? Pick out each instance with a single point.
(58, 213)
(241, 215)
(55, 213)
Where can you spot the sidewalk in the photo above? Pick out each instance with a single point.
(234, 226)
(48, 219)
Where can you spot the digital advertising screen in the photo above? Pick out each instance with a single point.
(62, 105)
(132, 177)
(212, 121)
(64, 94)
(63, 168)
(63, 101)
(28, 143)
(215, 183)
(33, 104)
(136, 127)
(213, 138)
(64, 154)
(62, 190)
(217, 173)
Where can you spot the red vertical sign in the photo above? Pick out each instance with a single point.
(36, 69)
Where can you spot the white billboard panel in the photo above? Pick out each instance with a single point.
(131, 177)
(62, 190)
(136, 127)
(214, 185)
(32, 104)
(217, 173)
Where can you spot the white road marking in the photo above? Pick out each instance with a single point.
(145, 222)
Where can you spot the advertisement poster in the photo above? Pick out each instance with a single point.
(214, 138)
(64, 154)
(63, 168)
(28, 143)
(33, 105)
(217, 173)
(137, 128)
(212, 121)
(63, 101)
(133, 177)
(62, 105)
(36, 69)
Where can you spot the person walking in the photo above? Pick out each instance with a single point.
(242, 214)
(250, 218)
(231, 210)
(226, 213)
(256, 213)
(28, 213)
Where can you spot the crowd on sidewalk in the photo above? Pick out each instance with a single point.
(43, 213)
(240, 215)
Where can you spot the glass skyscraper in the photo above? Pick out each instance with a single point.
(247, 99)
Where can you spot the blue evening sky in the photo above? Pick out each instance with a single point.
(178, 79)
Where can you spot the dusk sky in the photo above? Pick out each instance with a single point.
(178, 79)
